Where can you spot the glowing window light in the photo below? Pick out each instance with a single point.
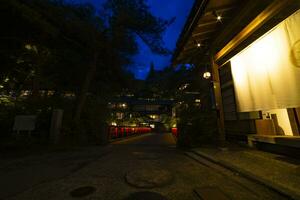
(152, 125)
(122, 105)
(28, 47)
(114, 124)
(153, 116)
(184, 86)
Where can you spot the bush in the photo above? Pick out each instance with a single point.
(7, 114)
(196, 127)
(41, 107)
(91, 129)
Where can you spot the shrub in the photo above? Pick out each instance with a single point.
(196, 127)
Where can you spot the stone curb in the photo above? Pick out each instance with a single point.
(271, 185)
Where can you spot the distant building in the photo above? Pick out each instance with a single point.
(150, 110)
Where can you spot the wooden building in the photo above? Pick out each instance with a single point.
(253, 50)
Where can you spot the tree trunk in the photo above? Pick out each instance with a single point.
(85, 88)
(36, 83)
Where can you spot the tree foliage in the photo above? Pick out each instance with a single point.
(52, 47)
(60, 46)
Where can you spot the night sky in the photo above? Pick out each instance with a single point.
(165, 9)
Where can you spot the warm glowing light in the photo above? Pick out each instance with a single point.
(28, 47)
(207, 75)
(219, 17)
(25, 93)
(122, 105)
(1, 86)
(153, 116)
(114, 124)
(184, 86)
(198, 44)
(152, 125)
(282, 120)
(197, 100)
(264, 74)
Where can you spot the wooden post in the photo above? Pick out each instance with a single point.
(56, 124)
(218, 102)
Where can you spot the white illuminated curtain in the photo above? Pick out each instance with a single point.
(267, 73)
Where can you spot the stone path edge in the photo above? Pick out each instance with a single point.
(271, 185)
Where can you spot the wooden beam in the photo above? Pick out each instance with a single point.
(192, 43)
(201, 38)
(244, 12)
(260, 20)
(207, 23)
(218, 102)
(203, 33)
(199, 7)
(187, 48)
(222, 9)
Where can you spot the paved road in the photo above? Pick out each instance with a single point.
(106, 169)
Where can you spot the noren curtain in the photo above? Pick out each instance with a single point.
(266, 74)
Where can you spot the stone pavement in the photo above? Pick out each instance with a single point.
(18, 175)
(275, 171)
(146, 167)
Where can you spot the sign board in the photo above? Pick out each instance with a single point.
(24, 123)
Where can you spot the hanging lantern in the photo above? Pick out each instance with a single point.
(207, 75)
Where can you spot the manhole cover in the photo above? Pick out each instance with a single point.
(148, 178)
(146, 196)
(82, 191)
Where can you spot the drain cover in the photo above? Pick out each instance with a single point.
(148, 178)
(145, 196)
(82, 191)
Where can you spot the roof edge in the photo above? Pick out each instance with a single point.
(195, 14)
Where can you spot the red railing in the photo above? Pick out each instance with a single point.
(175, 132)
(121, 131)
